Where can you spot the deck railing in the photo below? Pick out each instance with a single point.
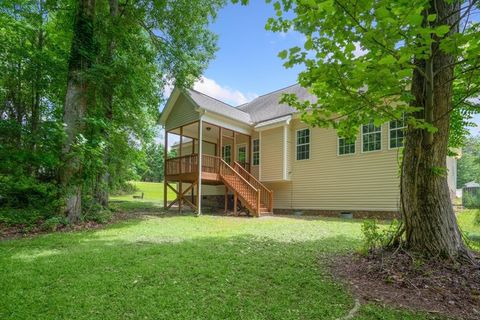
(266, 195)
(251, 191)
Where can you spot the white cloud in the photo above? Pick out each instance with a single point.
(223, 93)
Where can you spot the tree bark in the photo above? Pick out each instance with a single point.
(103, 180)
(76, 103)
(430, 223)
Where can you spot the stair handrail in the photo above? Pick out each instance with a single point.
(255, 206)
(260, 185)
(237, 174)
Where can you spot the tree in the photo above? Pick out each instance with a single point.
(375, 61)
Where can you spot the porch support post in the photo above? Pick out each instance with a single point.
(165, 153)
(248, 158)
(193, 145)
(200, 151)
(234, 147)
(220, 136)
(226, 200)
(235, 199)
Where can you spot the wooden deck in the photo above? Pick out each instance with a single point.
(215, 171)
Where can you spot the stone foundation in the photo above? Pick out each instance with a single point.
(357, 214)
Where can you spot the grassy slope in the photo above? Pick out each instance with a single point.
(184, 268)
(152, 197)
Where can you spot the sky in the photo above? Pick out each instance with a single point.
(246, 64)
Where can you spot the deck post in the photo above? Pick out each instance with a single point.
(199, 183)
(248, 158)
(180, 194)
(226, 200)
(235, 199)
(165, 153)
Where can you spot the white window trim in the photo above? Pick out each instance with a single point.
(381, 140)
(345, 154)
(309, 142)
(258, 139)
(389, 131)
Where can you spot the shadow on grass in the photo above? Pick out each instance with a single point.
(182, 268)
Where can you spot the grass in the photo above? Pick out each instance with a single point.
(183, 267)
(470, 227)
(152, 197)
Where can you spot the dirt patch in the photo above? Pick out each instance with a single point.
(406, 282)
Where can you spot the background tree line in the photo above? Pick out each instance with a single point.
(81, 82)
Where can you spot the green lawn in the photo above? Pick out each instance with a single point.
(183, 267)
(152, 197)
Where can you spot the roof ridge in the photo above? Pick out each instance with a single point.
(266, 94)
(206, 95)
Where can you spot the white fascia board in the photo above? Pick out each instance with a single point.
(225, 122)
(274, 123)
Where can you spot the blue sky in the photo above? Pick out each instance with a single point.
(246, 64)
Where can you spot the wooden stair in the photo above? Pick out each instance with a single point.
(257, 198)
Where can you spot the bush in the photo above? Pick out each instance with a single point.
(125, 188)
(100, 216)
(26, 217)
(471, 201)
(375, 237)
(52, 224)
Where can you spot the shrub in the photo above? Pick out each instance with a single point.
(471, 201)
(100, 216)
(52, 224)
(15, 216)
(376, 237)
(124, 189)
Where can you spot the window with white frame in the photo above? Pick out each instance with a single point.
(256, 152)
(303, 144)
(397, 132)
(227, 153)
(371, 137)
(346, 146)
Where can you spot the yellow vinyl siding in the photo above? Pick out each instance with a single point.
(271, 154)
(361, 181)
(282, 194)
(182, 113)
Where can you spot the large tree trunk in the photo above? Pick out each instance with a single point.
(430, 224)
(76, 102)
(103, 179)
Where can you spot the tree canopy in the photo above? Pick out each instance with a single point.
(121, 54)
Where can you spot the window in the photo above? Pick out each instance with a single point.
(256, 152)
(303, 144)
(371, 137)
(397, 133)
(346, 146)
(227, 153)
(242, 154)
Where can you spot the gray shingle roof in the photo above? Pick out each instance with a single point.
(267, 107)
(219, 107)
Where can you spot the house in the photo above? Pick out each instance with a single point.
(268, 160)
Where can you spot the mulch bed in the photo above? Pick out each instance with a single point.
(21, 231)
(400, 280)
